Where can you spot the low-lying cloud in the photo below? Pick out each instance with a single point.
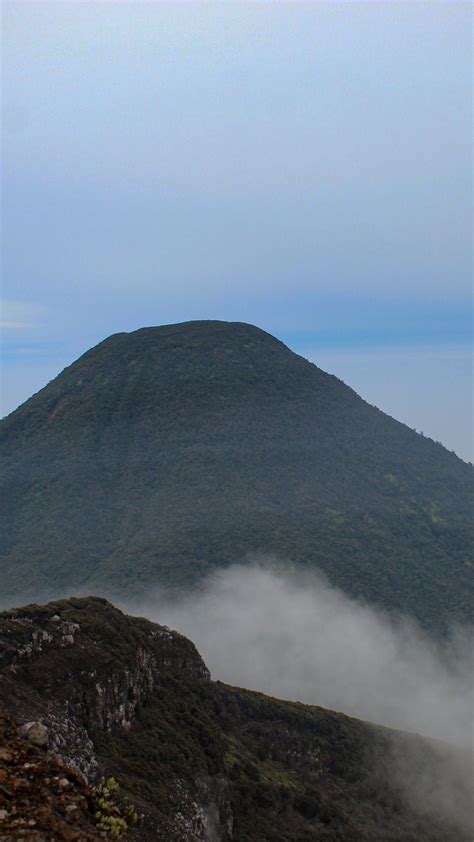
(271, 628)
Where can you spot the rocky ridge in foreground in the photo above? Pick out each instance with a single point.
(123, 698)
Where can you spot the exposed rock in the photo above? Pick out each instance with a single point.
(200, 761)
(35, 803)
(100, 689)
(35, 733)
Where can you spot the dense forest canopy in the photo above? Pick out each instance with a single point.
(164, 453)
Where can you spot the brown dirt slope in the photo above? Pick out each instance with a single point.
(40, 797)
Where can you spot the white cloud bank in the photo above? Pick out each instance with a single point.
(290, 634)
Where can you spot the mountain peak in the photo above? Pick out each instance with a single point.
(205, 326)
(164, 453)
(205, 331)
(193, 337)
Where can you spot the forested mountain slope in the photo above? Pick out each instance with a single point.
(163, 453)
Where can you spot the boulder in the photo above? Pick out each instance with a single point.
(36, 733)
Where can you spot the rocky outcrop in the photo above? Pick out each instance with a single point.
(36, 733)
(78, 678)
(104, 695)
(40, 797)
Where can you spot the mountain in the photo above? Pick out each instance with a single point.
(164, 453)
(100, 696)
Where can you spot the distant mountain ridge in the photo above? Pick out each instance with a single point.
(163, 453)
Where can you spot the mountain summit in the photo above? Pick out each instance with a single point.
(166, 452)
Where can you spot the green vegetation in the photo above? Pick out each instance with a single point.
(111, 816)
(163, 454)
(274, 771)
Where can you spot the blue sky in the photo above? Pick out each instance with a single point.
(303, 167)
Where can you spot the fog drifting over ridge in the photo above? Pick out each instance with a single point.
(287, 633)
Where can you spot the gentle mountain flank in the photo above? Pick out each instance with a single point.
(164, 453)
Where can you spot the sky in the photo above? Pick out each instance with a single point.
(302, 167)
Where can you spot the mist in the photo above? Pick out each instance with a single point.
(268, 626)
(287, 633)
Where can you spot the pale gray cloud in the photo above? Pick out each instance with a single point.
(273, 628)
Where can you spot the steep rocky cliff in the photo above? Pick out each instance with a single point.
(124, 697)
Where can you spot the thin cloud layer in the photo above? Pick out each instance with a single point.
(270, 628)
